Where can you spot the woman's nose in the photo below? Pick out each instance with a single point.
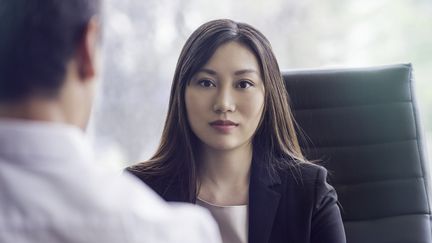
(224, 102)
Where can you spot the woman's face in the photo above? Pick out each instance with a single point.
(225, 99)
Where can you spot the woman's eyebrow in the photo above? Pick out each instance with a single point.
(208, 71)
(236, 73)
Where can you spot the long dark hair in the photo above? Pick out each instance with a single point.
(275, 137)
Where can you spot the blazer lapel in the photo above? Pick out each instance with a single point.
(264, 196)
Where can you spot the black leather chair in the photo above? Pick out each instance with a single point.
(362, 124)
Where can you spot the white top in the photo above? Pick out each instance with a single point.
(232, 221)
(50, 191)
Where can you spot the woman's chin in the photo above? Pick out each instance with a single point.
(222, 145)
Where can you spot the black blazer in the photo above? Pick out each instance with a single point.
(298, 207)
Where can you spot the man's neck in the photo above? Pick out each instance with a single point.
(38, 109)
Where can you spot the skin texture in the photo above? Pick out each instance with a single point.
(228, 87)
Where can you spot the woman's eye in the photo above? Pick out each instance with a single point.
(206, 83)
(244, 84)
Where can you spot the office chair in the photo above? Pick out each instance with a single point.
(362, 124)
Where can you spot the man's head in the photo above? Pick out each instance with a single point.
(48, 52)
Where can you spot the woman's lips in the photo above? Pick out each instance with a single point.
(224, 126)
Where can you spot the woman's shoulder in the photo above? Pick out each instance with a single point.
(137, 171)
(150, 178)
(169, 185)
(304, 174)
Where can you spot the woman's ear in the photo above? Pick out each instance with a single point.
(87, 51)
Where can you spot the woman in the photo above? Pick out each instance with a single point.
(229, 144)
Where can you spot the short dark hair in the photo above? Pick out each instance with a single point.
(37, 39)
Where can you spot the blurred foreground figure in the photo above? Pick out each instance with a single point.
(50, 191)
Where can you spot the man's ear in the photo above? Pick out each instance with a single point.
(86, 54)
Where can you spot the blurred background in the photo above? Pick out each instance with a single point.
(143, 39)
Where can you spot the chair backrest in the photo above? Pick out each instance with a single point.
(363, 126)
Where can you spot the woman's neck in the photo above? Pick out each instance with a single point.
(224, 175)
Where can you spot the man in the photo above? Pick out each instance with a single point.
(50, 191)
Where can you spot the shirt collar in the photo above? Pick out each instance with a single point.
(42, 139)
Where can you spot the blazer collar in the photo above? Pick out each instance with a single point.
(264, 197)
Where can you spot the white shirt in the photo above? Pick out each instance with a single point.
(232, 221)
(50, 191)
